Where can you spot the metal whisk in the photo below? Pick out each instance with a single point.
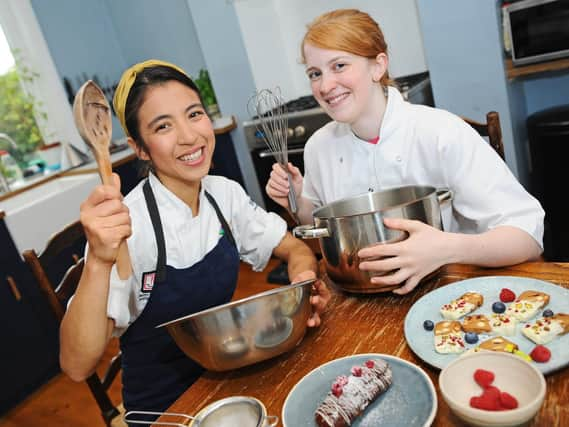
(271, 114)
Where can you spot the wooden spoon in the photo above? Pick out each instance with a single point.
(92, 114)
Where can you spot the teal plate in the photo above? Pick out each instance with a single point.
(427, 308)
(409, 401)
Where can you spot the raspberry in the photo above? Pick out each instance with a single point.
(483, 378)
(507, 295)
(370, 364)
(540, 354)
(489, 400)
(356, 371)
(337, 389)
(342, 380)
(507, 401)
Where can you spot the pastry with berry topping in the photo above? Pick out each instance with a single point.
(461, 306)
(527, 304)
(350, 395)
(448, 337)
(546, 329)
(502, 324)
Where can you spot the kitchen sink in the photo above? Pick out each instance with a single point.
(35, 214)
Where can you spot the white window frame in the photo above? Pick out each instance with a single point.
(23, 32)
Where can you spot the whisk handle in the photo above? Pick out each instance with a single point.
(292, 197)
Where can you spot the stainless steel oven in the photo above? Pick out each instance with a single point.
(263, 161)
(304, 118)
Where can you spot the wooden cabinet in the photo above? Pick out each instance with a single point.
(532, 69)
(29, 355)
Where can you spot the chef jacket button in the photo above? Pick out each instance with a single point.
(398, 158)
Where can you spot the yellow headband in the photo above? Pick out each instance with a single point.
(126, 82)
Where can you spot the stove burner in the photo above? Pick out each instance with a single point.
(303, 103)
(299, 104)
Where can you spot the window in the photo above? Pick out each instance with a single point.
(19, 132)
(23, 34)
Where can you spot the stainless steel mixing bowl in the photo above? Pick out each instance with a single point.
(246, 331)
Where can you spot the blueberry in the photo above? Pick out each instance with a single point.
(547, 313)
(428, 325)
(471, 337)
(498, 307)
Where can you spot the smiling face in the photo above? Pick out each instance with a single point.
(344, 84)
(178, 135)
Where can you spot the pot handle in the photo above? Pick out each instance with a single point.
(128, 418)
(272, 420)
(310, 232)
(444, 195)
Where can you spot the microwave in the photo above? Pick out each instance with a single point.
(538, 30)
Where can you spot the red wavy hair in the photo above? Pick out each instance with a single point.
(348, 30)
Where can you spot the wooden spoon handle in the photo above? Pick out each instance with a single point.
(124, 267)
(92, 114)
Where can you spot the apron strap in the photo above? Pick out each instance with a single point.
(158, 231)
(221, 218)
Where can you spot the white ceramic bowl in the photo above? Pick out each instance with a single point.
(512, 374)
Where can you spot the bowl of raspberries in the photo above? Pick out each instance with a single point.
(492, 389)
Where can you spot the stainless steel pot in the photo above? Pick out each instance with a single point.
(348, 225)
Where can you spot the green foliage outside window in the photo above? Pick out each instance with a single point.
(18, 112)
(203, 83)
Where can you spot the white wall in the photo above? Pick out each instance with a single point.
(275, 56)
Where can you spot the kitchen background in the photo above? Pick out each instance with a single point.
(250, 44)
(245, 45)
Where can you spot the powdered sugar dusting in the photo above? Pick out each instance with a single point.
(339, 409)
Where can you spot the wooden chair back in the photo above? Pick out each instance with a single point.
(63, 253)
(490, 129)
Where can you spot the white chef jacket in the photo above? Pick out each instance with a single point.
(420, 145)
(188, 238)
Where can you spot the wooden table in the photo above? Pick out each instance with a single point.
(372, 324)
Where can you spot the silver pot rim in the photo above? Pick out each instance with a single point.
(428, 189)
(238, 302)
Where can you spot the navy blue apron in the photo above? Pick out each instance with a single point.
(155, 371)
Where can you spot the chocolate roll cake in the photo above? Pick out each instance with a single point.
(350, 395)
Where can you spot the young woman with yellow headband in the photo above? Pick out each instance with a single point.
(186, 233)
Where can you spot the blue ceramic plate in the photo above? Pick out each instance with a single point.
(421, 341)
(409, 401)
